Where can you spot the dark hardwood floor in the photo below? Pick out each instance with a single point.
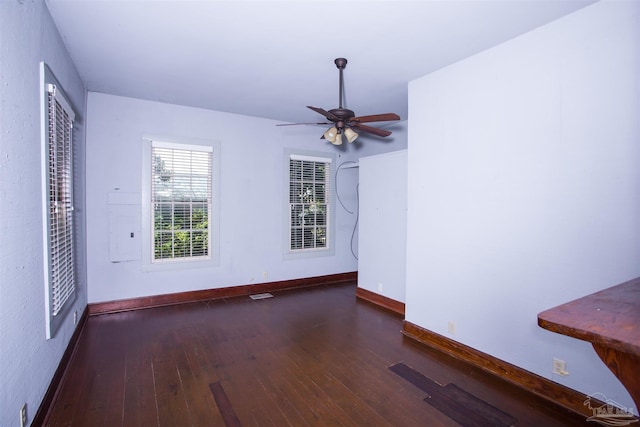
(308, 357)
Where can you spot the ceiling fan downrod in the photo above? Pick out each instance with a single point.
(341, 63)
(343, 115)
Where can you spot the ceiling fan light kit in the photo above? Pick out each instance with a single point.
(345, 121)
(331, 134)
(350, 134)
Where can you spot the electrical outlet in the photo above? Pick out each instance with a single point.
(379, 287)
(75, 317)
(265, 275)
(23, 415)
(451, 327)
(560, 367)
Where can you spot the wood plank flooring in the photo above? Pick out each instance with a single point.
(309, 357)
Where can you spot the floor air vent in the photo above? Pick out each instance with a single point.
(260, 296)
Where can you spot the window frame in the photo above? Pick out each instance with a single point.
(147, 232)
(329, 250)
(60, 281)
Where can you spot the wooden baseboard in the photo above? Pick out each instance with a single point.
(540, 386)
(49, 396)
(208, 294)
(387, 303)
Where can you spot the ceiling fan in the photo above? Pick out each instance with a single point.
(344, 120)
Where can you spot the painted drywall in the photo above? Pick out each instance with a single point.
(252, 191)
(27, 359)
(383, 224)
(365, 147)
(524, 189)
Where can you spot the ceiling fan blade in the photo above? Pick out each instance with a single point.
(295, 124)
(327, 114)
(376, 118)
(372, 130)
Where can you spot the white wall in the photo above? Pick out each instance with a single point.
(524, 189)
(383, 224)
(27, 360)
(367, 146)
(252, 192)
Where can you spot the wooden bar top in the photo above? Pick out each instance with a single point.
(610, 318)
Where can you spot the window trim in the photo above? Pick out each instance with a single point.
(55, 316)
(288, 253)
(147, 234)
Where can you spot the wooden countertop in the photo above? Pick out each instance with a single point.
(609, 318)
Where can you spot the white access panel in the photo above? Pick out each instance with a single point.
(124, 227)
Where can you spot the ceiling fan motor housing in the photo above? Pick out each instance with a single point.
(344, 115)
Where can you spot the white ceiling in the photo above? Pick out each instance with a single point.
(272, 58)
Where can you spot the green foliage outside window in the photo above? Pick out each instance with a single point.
(181, 205)
(180, 233)
(308, 201)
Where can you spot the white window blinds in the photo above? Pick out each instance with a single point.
(60, 202)
(309, 186)
(58, 212)
(181, 200)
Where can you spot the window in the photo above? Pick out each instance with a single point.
(181, 200)
(57, 174)
(179, 195)
(310, 206)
